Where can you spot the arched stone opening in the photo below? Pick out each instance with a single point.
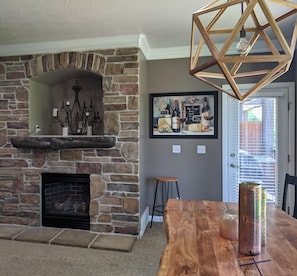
(51, 79)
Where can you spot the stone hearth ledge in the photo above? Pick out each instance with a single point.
(65, 142)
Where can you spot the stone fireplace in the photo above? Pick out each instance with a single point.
(112, 169)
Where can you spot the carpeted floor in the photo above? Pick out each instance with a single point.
(20, 257)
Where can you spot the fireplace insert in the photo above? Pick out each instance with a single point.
(65, 200)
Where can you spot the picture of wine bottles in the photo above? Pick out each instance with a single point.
(183, 115)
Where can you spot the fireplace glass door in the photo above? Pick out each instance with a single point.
(65, 200)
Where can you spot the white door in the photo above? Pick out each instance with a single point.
(258, 140)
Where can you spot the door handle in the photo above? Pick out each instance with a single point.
(233, 166)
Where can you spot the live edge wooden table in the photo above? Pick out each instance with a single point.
(194, 245)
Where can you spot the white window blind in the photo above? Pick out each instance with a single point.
(262, 133)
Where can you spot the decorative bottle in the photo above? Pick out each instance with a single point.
(250, 230)
(175, 117)
(205, 114)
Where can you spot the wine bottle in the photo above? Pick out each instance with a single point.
(205, 115)
(168, 106)
(175, 117)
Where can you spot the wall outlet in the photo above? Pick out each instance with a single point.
(201, 149)
(176, 148)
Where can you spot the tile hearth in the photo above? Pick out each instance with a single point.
(67, 237)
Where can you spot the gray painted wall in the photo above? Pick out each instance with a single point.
(200, 176)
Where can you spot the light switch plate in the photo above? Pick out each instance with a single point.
(201, 149)
(176, 149)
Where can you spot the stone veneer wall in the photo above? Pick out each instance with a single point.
(114, 174)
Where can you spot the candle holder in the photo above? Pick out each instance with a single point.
(229, 225)
(76, 118)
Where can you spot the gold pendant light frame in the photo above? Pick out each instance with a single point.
(225, 65)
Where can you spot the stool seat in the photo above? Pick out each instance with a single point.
(166, 178)
(166, 183)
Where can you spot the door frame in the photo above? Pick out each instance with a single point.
(227, 123)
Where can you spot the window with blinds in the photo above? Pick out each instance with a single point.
(258, 140)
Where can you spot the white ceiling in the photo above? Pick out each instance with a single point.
(162, 28)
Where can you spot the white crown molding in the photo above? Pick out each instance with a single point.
(70, 45)
(107, 43)
(95, 44)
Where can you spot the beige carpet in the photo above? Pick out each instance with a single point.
(20, 258)
(67, 237)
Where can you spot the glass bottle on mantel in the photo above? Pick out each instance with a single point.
(175, 117)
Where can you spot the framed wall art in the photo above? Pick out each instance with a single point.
(184, 115)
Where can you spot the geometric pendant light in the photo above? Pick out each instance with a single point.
(255, 45)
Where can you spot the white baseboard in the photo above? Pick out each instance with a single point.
(146, 219)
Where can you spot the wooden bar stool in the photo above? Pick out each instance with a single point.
(167, 183)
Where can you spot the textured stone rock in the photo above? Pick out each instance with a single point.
(129, 89)
(130, 151)
(129, 125)
(15, 75)
(3, 104)
(97, 186)
(113, 99)
(125, 218)
(102, 228)
(111, 123)
(124, 178)
(14, 163)
(6, 184)
(94, 207)
(131, 205)
(126, 230)
(110, 200)
(30, 199)
(125, 79)
(130, 71)
(18, 183)
(3, 137)
(122, 59)
(21, 94)
(115, 69)
(88, 168)
(127, 51)
(109, 152)
(71, 155)
(133, 103)
(123, 187)
(114, 107)
(2, 69)
(39, 158)
(104, 218)
(117, 168)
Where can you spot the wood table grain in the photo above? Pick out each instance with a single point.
(194, 245)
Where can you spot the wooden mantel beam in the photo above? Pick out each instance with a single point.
(55, 142)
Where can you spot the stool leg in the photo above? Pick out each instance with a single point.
(156, 189)
(177, 189)
(165, 192)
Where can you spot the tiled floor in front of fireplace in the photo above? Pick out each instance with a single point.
(67, 237)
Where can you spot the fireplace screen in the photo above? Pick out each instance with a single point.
(65, 200)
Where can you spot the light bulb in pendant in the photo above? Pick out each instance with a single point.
(243, 45)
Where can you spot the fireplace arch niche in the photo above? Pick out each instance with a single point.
(49, 90)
